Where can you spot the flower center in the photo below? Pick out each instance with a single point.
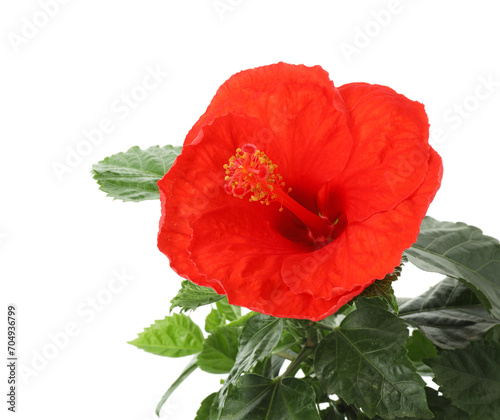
(251, 172)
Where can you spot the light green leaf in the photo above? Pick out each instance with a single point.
(219, 350)
(364, 362)
(462, 252)
(219, 317)
(260, 335)
(132, 175)
(230, 312)
(449, 314)
(258, 398)
(192, 296)
(470, 378)
(190, 368)
(173, 336)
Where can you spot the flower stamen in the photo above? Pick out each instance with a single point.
(250, 171)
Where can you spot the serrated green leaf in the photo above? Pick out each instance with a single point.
(364, 362)
(219, 350)
(449, 314)
(173, 336)
(190, 368)
(192, 296)
(260, 335)
(203, 412)
(470, 378)
(258, 398)
(132, 175)
(461, 252)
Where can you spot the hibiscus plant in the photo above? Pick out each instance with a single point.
(291, 208)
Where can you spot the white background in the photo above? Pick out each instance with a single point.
(61, 239)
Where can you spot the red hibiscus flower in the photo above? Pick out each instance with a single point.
(292, 196)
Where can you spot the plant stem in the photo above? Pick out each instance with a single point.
(294, 367)
(284, 355)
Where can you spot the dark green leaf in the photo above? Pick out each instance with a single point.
(493, 334)
(441, 408)
(419, 347)
(462, 252)
(449, 314)
(190, 368)
(331, 413)
(260, 335)
(258, 398)
(173, 336)
(132, 175)
(383, 288)
(364, 362)
(269, 367)
(470, 378)
(191, 296)
(219, 350)
(203, 412)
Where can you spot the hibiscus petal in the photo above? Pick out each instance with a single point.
(300, 108)
(365, 250)
(389, 159)
(242, 250)
(194, 185)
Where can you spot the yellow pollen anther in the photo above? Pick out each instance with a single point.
(250, 171)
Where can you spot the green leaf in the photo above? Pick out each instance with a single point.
(269, 367)
(219, 350)
(364, 362)
(260, 335)
(449, 314)
(132, 175)
(192, 296)
(462, 252)
(258, 398)
(470, 378)
(190, 368)
(441, 408)
(203, 412)
(419, 347)
(383, 288)
(173, 336)
(219, 317)
(230, 312)
(214, 320)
